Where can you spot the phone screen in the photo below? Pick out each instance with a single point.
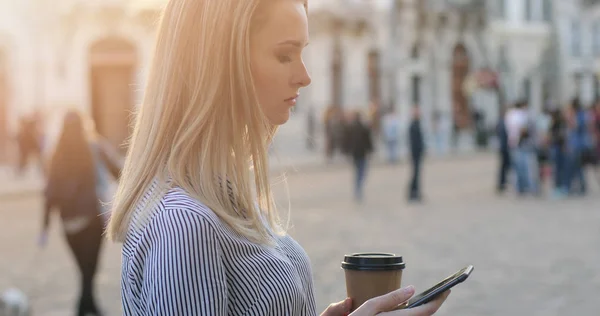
(439, 288)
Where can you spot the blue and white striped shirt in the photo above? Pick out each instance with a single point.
(183, 260)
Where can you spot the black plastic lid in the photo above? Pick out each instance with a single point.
(373, 262)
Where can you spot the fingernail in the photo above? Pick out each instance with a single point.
(409, 289)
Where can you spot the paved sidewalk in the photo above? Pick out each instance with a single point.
(12, 185)
(532, 256)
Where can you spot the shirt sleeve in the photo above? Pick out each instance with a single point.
(184, 273)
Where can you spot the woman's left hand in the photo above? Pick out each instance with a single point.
(338, 309)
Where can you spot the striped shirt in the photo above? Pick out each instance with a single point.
(183, 260)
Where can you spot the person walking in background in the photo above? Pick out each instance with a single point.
(521, 135)
(557, 143)
(311, 129)
(334, 131)
(542, 128)
(29, 142)
(503, 151)
(417, 151)
(577, 141)
(344, 138)
(374, 118)
(360, 145)
(75, 181)
(391, 131)
(596, 129)
(328, 129)
(528, 148)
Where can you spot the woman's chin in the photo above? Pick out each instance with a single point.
(280, 119)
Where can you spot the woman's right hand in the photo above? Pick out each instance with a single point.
(379, 305)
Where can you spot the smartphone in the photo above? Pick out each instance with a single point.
(432, 293)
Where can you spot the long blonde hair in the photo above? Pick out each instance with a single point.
(200, 123)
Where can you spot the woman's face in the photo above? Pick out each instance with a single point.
(276, 56)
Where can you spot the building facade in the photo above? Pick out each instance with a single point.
(93, 54)
(89, 55)
(578, 26)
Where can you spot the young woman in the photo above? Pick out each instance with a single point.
(78, 174)
(194, 207)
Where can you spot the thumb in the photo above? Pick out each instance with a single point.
(338, 309)
(391, 300)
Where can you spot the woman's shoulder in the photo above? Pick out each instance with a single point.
(178, 199)
(177, 204)
(174, 211)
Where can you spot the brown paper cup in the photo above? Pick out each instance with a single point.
(369, 275)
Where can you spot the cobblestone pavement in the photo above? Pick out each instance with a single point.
(532, 256)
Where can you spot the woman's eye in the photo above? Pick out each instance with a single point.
(285, 59)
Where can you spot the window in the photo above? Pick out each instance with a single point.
(498, 8)
(527, 89)
(416, 89)
(576, 39)
(596, 38)
(529, 10)
(547, 10)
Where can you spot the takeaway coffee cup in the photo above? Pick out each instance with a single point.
(369, 275)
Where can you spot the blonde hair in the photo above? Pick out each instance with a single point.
(200, 123)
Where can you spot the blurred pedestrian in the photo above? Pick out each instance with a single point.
(374, 118)
(417, 152)
(344, 137)
(311, 129)
(521, 137)
(558, 153)
(542, 128)
(334, 131)
(75, 183)
(577, 142)
(596, 129)
(480, 128)
(391, 134)
(503, 152)
(360, 145)
(29, 144)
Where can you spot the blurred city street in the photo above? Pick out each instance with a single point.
(448, 83)
(532, 256)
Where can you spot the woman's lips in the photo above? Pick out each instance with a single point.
(292, 101)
